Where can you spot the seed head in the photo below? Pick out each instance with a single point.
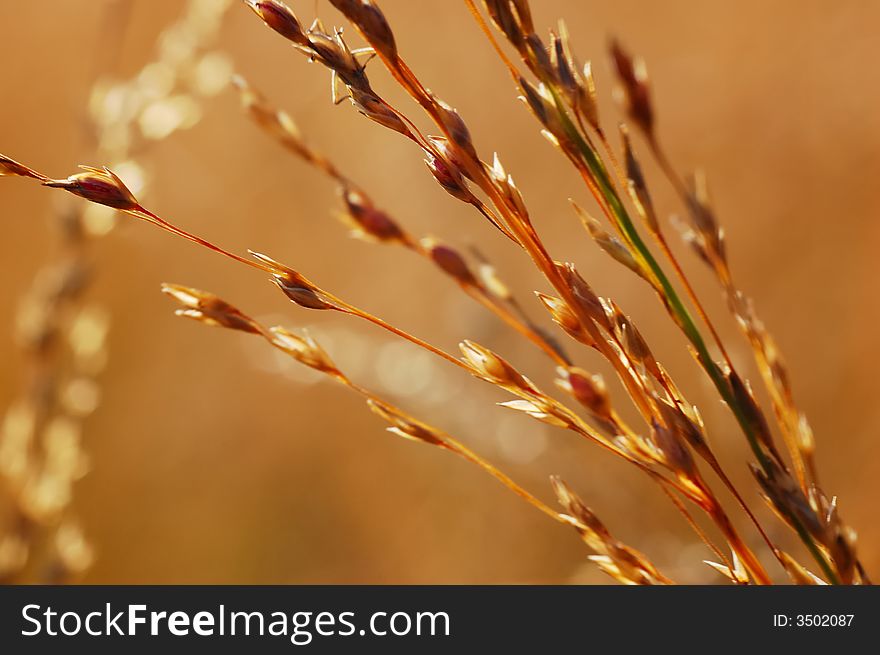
(406, 426)
(689, 429)
(785, 494)
(457, 129)
(449, 177)
(278, 124)
(377, 110)
(588, 390)
(303, 295)
(294, 285)
(449, 261)
(638, 188)
(493, 368)
(703, 217)
(580, 91)
(589, 302)
(280, 18)
(100, 186)
(610, 243)
(489, 278)
(372, 23)
(618, 560)
(634, 79)
(746, 400)
(578, 510)
(447, 153)
(334, 53)
(566, 73)
(539, 410)
(276, 267)
(209, 309)
(539, 58)
(562, 315)
(541, 102)
(302, 348)
(513, 18)
(505, 184)
(673, 452)
(367, 220)
(589, 104)
(634, 343)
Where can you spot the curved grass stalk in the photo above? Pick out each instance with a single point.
(596, 176)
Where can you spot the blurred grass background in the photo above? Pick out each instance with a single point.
(212, 461)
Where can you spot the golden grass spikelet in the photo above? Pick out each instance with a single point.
(618, 560)
(562, 315)
(487, 365)
(302, 348)
(405, 426)
(539, 410)
(208, 309)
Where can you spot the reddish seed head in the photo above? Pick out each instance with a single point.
(372, 22)
(376, 109)
(457, 129)
(635, 84)
(368, 219)
(675, 453)
(301, 295)
(450, 261)
(97, 185)
(280, 18)
(589, 391)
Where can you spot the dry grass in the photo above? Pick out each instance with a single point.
(671, 443)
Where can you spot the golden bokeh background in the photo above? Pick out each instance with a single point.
(212, 461)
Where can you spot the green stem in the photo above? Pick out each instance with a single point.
(681, 315)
